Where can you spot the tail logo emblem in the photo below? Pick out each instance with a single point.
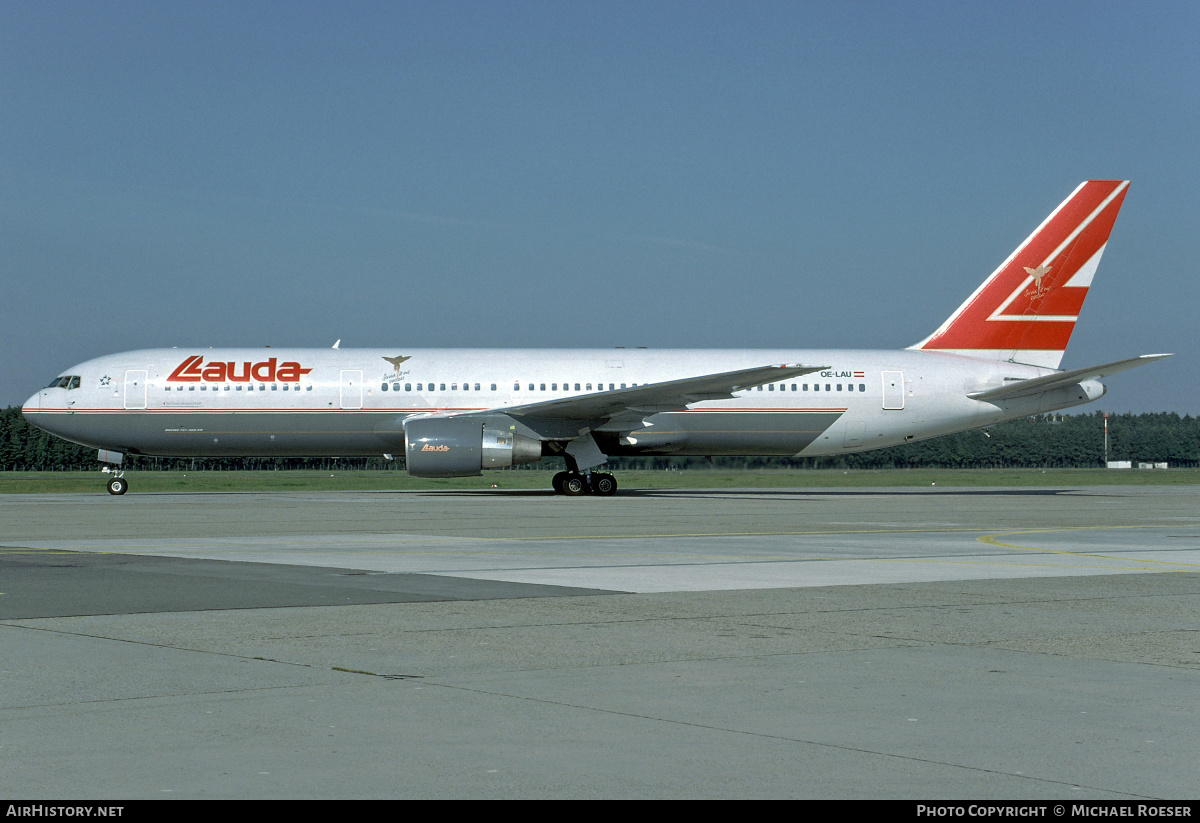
(1037, 275)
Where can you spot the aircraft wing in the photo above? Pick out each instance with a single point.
(650, 398)
(1037, 385)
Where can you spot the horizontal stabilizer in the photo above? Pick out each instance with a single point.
(1059, 380)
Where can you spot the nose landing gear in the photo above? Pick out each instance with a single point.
(112, 465)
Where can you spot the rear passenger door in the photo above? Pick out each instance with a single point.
(893, 390)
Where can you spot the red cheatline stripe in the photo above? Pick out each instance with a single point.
(774, 410)
(243, 410)
(759, 411)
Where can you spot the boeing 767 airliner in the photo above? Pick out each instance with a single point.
(455, 412)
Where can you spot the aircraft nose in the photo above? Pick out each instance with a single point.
(33, 404)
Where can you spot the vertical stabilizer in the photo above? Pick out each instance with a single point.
(1026, 310)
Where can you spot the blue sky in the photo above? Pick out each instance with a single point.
(529, 174)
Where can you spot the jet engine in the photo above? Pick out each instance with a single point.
(463, 447)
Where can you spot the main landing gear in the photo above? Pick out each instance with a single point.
(576, 483)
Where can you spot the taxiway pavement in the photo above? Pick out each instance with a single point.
(975, 643)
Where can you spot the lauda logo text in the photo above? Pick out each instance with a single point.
(194, 370)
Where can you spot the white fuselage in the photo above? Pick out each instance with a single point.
(343, 402)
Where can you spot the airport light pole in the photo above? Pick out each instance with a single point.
(1105, 439)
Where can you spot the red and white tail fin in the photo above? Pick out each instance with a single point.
(1025, 312)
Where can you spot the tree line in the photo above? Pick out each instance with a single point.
(1044, 441)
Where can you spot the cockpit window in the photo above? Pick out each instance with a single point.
(67, 381)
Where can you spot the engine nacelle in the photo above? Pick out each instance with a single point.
(463, 447)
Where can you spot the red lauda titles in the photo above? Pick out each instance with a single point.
(194, 370)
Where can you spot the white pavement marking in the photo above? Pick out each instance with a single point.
(708, 563)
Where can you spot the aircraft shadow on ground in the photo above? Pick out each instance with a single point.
(776, 493)
(674, 493)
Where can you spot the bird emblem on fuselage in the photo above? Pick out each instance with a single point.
(396, 361)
